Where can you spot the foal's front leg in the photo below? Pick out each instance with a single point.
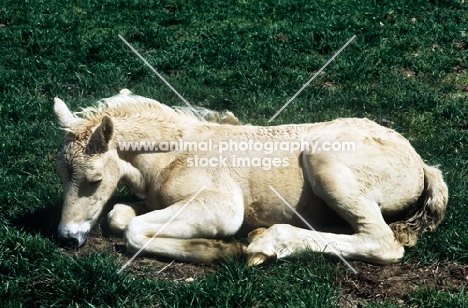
(119, 217)
(195, 230)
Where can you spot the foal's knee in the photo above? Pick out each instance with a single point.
(119, 217)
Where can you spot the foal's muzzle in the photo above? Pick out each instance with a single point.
(73, 235)
(73, 242)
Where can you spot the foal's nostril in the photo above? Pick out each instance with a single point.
(72, 240)
(68, 242)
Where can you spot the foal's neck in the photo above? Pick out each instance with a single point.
(143, 164)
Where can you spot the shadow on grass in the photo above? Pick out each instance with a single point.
(43, 221)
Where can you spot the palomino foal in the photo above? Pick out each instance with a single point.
(366, 202)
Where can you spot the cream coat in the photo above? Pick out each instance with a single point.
(365, 202)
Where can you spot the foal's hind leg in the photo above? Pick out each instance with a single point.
(119, 217)
(372, 241)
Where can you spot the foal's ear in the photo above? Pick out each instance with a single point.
(99, 141)
(64, 116)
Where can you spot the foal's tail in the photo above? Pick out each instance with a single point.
(428, 212)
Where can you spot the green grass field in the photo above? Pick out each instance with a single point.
(408, 65)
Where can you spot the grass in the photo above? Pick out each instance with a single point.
(407, 65)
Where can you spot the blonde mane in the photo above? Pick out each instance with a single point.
(126, 105)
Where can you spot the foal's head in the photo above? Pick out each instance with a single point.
(89, 164)
(88, 167)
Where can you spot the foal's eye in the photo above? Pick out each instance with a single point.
(94, 178)
(95, 182)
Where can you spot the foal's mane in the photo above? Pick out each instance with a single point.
(140, 108)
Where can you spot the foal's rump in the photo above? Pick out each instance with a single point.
(382, 168)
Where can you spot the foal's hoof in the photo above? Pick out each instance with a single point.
(256, 259)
